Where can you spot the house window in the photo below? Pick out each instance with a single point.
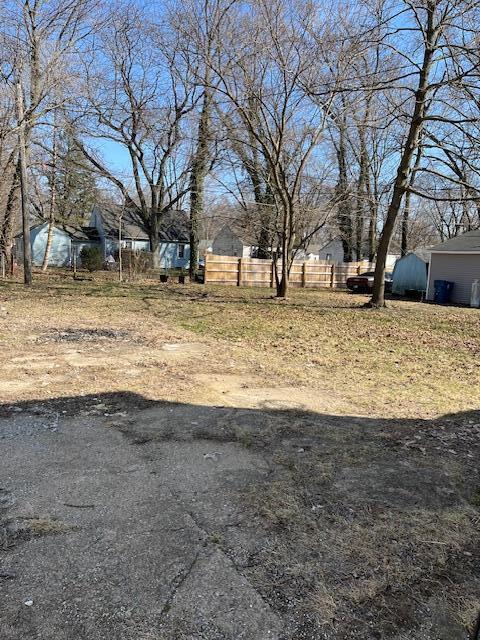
(128, 244)
(181, 250)
(328, 257)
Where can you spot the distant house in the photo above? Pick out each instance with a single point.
(229, 242)
(67, 240)
(333, 251)
(456, 260)
(411, 272)
(174, 240)
(103, 232)
(204, 247)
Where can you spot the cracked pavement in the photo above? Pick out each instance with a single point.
(127, 546)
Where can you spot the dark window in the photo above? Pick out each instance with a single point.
(181, 250)
(128, 244)
(329, 256)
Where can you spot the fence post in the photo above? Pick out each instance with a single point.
(205, 270)
(359, 268)
(332, 277)
(272, 274)
(239, 273)
(304, 274)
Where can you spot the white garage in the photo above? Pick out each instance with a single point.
(456, 260)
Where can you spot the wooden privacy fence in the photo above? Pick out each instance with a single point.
(255, 272)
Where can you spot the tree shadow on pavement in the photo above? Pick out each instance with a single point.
(127, 518)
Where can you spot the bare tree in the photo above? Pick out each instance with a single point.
(139, 92)
(267, 63)
(441, 53)
(199, 24)
(42, 39)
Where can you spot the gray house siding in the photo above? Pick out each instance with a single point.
(77, 247)
(96, 221)
(227, 243)
(333, 251)
(110, 246)
(60, 252)
(170, 255)
(460, 268)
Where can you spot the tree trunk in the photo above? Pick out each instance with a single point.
(287, 241)
(197, 181)
(48, 244)
(344, 213)
(154, 246)
(53, 194)
(264, 249)
(27, 250)
(405, 221)
(402, 180)
(407, 207)
(372, 234)
(361, 193)
(7, 226)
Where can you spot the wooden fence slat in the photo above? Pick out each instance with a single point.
(257, 272)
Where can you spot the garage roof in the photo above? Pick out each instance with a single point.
(468, 242)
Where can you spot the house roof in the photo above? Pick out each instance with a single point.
(422, 252)
(76, 232)
(81, 234)
(174, 227)
(132, 226)
(244, 235)
(317, 247)
(467, 242)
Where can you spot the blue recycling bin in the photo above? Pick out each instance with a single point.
(442, 291)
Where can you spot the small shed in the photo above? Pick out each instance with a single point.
(456, 260)
(411, 272)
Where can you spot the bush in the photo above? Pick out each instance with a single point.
(136, 261)
(91, 258)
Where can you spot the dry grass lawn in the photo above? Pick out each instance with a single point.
(237, 346)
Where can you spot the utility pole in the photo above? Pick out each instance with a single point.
(27, 250)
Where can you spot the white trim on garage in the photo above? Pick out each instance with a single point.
(459, 252)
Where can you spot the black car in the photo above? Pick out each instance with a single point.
(363, 283)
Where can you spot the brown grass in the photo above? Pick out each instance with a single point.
(410, 359)
(45, 526)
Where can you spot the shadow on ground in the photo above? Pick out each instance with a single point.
(131, 519)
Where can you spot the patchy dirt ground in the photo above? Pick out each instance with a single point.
(237, 347)
(174, 468)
